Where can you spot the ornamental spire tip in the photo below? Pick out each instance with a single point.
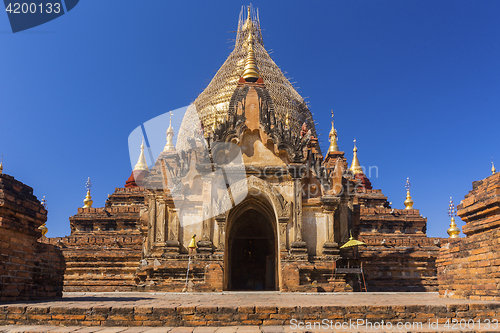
(333, 139)
(355, 166)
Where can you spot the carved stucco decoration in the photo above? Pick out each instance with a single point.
(256, 187)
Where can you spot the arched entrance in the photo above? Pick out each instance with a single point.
(251, 256)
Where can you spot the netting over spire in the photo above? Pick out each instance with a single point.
(213, 102)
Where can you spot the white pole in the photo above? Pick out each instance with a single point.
(187, 274)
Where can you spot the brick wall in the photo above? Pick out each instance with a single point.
(400, 263)
(29, 268)
(470, 267)
(398, 256)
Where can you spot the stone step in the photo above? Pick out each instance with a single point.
(169, 311)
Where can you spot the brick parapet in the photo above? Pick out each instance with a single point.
(19, 209)
(480, 209)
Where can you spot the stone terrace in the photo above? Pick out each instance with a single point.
(253, 309)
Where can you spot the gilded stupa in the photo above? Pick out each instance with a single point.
(212, 105)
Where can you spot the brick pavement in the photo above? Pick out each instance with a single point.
(231, 329)
(237, 311)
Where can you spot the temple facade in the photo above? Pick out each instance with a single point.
(247, 180)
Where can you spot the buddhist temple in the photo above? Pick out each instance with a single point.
(247, 176)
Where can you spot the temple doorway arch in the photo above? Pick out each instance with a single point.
(251, 258)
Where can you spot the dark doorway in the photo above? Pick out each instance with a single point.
(252, 253)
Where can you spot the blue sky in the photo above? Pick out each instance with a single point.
(415, 82)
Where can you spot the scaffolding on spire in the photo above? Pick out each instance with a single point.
(212, 104)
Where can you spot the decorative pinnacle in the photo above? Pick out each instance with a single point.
(88, 185)
(88, 199)
(248, 22)
(169, 146)
(287, 119)
(44, 229)
(333, 139)
(408, 202)
(251, 71)
(141, 162)
(493, 170)
(453, 230)
(355, 166)
(1, 165)
(452, 212)
(408, 184)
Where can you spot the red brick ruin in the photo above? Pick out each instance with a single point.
(29, 268)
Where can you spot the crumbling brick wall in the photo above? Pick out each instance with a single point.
(470, 267)
(29, 268)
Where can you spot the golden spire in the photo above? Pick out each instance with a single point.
(408, 201)
(493, 170)
(88, 199)
(453, 230)
(248, 23)
(169, 146)
(333, 139)
(355, 167)
(251, 71)
(141, 162)
(1, 165)
(43, 227)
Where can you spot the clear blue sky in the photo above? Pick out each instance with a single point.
(415, 82)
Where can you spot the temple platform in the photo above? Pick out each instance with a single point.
(250, 312)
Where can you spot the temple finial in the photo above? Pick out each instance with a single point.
(43, 227)
(453, 230)
(355, 166)
(248, 22)
(169, 146)
(141, 162)
(251, 71)
(333, 139)
(493, 170)
(408, 201)
(88, 199)
(1, 165)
